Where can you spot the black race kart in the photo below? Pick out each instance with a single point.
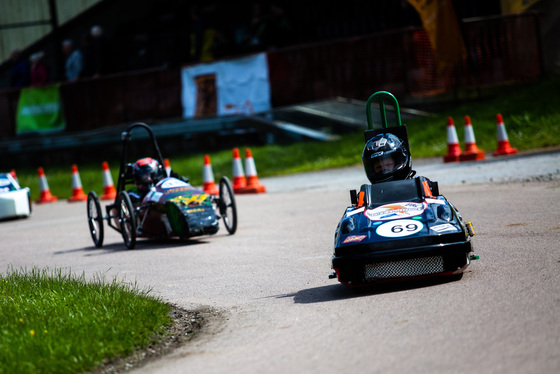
(399, 230)
(172, 208)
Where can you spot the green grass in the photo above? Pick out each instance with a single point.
(56, 322)
(530, 113)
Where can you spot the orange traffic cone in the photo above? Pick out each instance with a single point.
(209, 186)
(77, 190)
(504, 148)
(453, 149)
(167, 166)
(45, 196)
(253, 184)
(239, 181)
(109, 191)
(472, 153)
(13, 174)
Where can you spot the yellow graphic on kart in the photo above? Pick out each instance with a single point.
(192, 200)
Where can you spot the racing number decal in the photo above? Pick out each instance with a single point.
(399, 228)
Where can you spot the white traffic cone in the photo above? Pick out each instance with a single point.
(209, 186)
(471, 153)
(504, 148)
(167, 166)
(109, 191)
(253, 184)
(453, 149)
(239, 180)
(77, 190)
(46, 196)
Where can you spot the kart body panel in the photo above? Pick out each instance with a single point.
(175, 208)
(14, 201)
(400, 234)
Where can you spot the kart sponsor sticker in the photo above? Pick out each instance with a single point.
(355, 211)
(435, 201)
(191, 200)
(155, 196)
(195, 210)
(396, 211)
(444, 227)
(172, 183)
(354, 239)
(399, 228)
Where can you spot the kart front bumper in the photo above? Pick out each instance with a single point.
(404, 263)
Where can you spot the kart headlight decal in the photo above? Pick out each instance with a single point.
(348, 225)
(444, 212)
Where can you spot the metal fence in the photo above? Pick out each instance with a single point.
(502, 50)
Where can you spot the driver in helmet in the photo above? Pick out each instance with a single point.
(386, 158)
(146, 172)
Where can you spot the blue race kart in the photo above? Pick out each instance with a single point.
(399, 229)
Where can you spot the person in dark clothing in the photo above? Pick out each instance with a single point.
(19, 75)
(101, 52)
(88, 68)
(39, 70)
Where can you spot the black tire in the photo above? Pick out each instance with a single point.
(226, 205)
(95, 219)
(127, 220)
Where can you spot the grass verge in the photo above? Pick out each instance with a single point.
(56, 322)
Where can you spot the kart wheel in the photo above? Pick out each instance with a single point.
(226, 205)
(127, 220)
(95, 219)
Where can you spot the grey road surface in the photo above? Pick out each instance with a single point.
(272, 309)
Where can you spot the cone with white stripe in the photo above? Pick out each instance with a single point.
(109, 191)
(45, 193)
(504, 148)
(14, 175)
(239, 180)
(253, 184)
(209, 186)
(453, 149)
(471, 153)
(167, 166)
(78, 193)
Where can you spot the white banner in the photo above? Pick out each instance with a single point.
(237, 86)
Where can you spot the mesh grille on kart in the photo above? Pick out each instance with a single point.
(403, 268)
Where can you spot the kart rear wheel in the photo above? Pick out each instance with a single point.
(127, 220)
(95, 219)
(226, 205)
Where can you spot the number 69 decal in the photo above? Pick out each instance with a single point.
(398, 228)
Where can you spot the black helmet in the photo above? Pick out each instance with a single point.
(386, 158)
(146, 172)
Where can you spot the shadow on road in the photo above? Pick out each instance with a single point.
(141, 245)
(339, 292)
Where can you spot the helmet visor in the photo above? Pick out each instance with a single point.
(385, 165)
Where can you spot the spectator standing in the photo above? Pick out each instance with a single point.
(201, 35)
(39, 69)
(88, 60)
(74, 60)
(275, 31)
(19, 75)
(101, 53)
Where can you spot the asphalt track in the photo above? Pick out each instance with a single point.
(272, 309)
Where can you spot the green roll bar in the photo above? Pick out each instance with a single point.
(380, 96)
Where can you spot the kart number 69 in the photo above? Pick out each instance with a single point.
(399, 228)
